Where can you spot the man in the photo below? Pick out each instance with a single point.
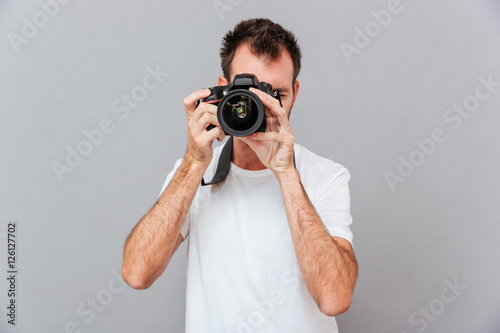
(270, 246)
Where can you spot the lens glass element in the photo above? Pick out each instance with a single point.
(241, 108)
(238, 112)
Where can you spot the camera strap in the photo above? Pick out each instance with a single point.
(224, 164)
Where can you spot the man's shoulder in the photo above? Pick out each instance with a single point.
(307, 161)
(318, 173)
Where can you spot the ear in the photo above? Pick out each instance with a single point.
(222, 81)
(296, 86)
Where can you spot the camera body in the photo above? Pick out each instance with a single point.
(240, 112)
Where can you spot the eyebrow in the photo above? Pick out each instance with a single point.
(283, 90)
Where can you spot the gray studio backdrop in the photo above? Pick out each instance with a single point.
(405, 94)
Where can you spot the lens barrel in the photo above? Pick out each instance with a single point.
(241, 113)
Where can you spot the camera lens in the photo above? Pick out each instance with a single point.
(240, 113)
(240, 109)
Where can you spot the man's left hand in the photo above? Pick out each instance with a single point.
(274, 148)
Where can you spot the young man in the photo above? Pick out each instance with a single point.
(270, 246)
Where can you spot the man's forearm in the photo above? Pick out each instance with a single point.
(151, 243)
(329, 270)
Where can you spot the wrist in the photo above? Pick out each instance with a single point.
(193, 168)
(194, 162)
(287, 176)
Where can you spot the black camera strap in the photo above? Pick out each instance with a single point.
(224, 164)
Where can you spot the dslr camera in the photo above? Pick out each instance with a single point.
(240, 112)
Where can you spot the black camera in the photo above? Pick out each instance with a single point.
(240, 112)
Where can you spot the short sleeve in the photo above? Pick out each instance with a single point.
(185, 225)
(332, 202)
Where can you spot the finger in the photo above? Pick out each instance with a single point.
(209, 112)
(253, 144)
(275, 108)
(272, 103)
(221, 135)
(202, 109)
(190, 101)
(272, 123)
(210, 136)
(283, 138)
(249, 141)
(203, 122)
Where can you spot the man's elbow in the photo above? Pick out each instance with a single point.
(333, 307)
(135, 280)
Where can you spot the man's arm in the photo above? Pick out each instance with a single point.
(327, 263)
(156, 236)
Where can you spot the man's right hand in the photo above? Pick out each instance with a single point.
(156, 236)
(199, 148)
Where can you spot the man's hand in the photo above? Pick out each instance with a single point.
(199, 148)
(274, 148)
(327, 263)
(155, 238)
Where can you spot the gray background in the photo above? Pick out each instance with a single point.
(440, 224)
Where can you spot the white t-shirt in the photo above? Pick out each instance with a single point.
(242, 271)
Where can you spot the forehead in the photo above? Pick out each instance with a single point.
(278, 73)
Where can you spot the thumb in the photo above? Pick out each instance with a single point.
(250, 142)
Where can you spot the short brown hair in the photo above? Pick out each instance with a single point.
(265, 38)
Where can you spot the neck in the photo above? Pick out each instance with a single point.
(244, 157)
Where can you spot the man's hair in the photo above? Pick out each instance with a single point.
(265, 38)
